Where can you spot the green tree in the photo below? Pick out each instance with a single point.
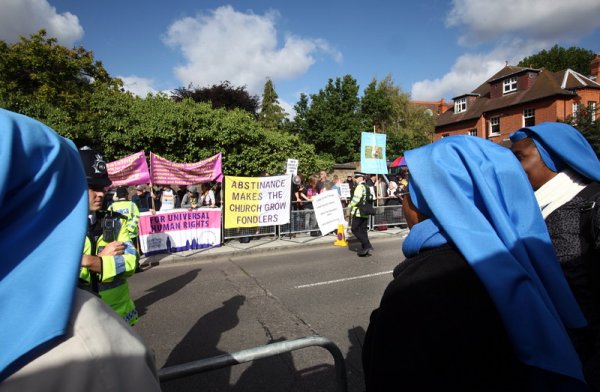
(559, 58)
(333, 121)
(406, 124)
(222, 95)
(586, 121)
(376, 106)
(50, 82)
(271, 113)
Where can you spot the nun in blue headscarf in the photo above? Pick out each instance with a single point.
(54, 337)
(564, 171)
(480, 303)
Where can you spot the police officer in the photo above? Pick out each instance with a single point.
(109, 256)
(127, 208)
(360, 223)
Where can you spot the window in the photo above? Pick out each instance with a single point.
(445, 135)
(575, 111)
(509, 85)
(494, 126)
(528, 117)
(592, 109)
(460, 105)
(472, 132)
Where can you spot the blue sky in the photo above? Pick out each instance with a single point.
(433, 49)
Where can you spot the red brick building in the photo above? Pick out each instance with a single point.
(516, 97)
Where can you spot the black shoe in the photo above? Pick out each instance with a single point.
(363, 252)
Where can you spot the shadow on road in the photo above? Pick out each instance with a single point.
(164, 290)
(201, 342)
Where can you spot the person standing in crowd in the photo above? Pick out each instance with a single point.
(168, 198)
(181, 192)
(190, 199)
(564, 172)
(380, 190)
(109, 256)
(350, 183)
(55, 336)
(393, 195)
(359, 225)
(129, 210)
(207, 195)
(321, 181)
(142, 199)
(480, 303)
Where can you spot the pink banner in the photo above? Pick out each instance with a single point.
(165, 172)
(131, 170)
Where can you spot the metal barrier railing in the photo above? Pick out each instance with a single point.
(269, 350)
(305, 222)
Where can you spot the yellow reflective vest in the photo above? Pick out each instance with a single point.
(131, 212)
(112, 281)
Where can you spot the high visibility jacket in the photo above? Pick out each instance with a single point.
(112, 281)
(360, 192)
(131, 212)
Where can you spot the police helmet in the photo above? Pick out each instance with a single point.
(94, 167)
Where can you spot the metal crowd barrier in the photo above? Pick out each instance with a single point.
(269, 350)
(305, 222)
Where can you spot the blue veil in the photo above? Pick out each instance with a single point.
(479, 198)
(561, 144)
(43, 210)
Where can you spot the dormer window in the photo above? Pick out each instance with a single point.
(460, 105)
(509, 85)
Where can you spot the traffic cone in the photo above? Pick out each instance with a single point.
(341, 238)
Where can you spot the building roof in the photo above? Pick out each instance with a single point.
(547, 84)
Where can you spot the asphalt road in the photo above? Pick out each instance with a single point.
(203, 308)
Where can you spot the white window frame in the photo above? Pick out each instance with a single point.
(575, 110)
(528, 114)
(494, 123)
(460, 105)
(509, 85)
(472, 132)
(592, 108)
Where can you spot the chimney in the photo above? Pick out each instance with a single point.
(595, 69)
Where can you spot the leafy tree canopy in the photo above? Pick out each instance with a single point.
(222, 95)
(49, 82)
(559, 58)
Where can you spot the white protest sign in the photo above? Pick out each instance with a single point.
(328, 210)
(292, 167)
(345, 190)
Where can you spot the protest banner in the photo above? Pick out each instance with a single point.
(166, 172)
(292, 167)
(328, 210)
(179, 230)
(131, 170)
(257, 201)
(372, 153)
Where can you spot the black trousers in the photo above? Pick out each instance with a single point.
(360, 230)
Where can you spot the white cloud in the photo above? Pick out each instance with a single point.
(242, 48)
(540, 20)
(288, 107)
(514, 29)
(25, 17)
(138, 85)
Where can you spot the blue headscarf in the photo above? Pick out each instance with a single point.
(43, 210)
(561, 145)
(478, 198)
